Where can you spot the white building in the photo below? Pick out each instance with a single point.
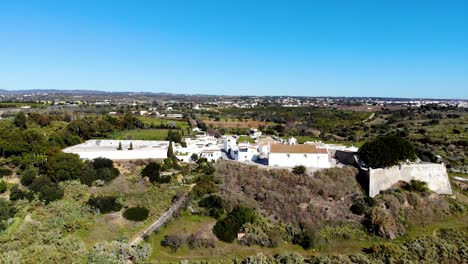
(202, 145)
(245, 152)
(292, 155)
(131, 149)
(211, 154)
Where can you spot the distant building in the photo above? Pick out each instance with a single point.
(284, 155)
(174, 115)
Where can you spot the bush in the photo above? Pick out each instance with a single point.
(47, 190)
(3, 186)
(136, 214)
(105, 204)
(28, 176)
(387, 151)
(152, 171)
(299, 170)
(416, 186)
(17, 194)
(6, 211)
(226, 229)
(5, 172)
(214, 204)
(173, 241)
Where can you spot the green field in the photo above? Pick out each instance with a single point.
(140, 134)
(148, 121)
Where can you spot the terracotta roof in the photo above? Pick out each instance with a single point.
(300, 148)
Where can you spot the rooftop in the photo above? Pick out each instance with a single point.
(112, 145)
(300, 148)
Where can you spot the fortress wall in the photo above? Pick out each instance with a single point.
(433, 173)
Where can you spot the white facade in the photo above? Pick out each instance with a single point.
(142, 149)
(211, 154)
(245, 152)
(293, 155)
(294, 159)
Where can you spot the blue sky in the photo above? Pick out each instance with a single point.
(316, 48)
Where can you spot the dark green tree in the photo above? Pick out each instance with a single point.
(120, 146)
(299, 170)
(152, 171)
(21, 120)
(47, 189)
(387, 151)
(131, 146)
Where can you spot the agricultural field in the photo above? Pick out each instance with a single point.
(234, 124)
(149, 121)
(140, 134)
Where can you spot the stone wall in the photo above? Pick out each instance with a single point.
(433, 173)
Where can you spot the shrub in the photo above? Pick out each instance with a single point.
(387, 151)
(173, 241)
(152, 171)
(3, 186)
(136, 214)
(105, 204)
(416, 186)
(100, 163)
(5, 172)
(28, 176)
(47, 190)
(299, 170)
(17, 194)
(226, 229)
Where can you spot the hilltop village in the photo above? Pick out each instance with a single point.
(118, 178)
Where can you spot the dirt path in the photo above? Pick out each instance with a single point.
(162, 219)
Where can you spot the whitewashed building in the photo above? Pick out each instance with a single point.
(131, 149)
(245, 152)
(211, 154)
(284, 155)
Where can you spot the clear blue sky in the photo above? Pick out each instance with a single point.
(407, 48)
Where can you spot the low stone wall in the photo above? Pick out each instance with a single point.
(433, 173)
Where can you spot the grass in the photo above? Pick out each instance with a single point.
(141, 134)
(113, 226)
(245, 139)
(187, 224)
(148, 121)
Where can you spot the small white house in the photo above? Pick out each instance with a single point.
(245, 152)
(211, 154)
(284, 155)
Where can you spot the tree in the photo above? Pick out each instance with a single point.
(299, 170)
(21, 120)
(170, 151)
(131, 146)
(120, 146)
(28, 175)
(387, 151)
(152, 171)
(6, 211)
(194, 157)
(62, 166)
(47, 190)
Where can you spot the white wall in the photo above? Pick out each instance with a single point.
(123, 154)
(293, 159)
(433, 173)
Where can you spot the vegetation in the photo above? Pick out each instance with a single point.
(299, 170)
(105, 204)
(227, 228)
(136, 213)
(387, 151)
